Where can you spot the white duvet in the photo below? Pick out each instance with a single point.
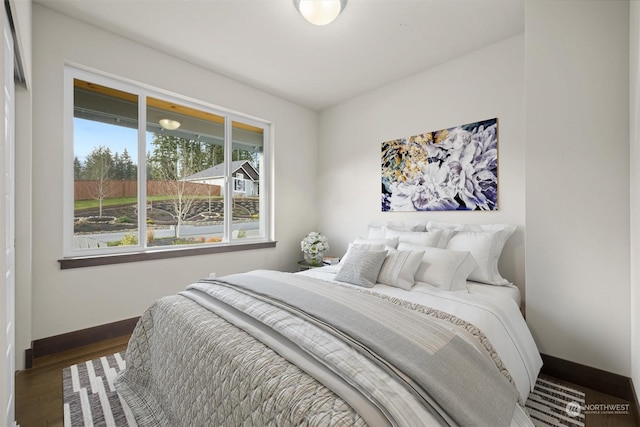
(498, 316)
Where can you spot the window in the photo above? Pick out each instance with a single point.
(148, 171)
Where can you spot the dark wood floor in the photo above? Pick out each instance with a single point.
(39, 389)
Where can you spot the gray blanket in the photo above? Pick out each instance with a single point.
(444, 365)
(419, 361)
(187, 367)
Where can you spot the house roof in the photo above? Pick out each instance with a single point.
(217, 171)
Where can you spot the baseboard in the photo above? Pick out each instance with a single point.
(597, 379)
(70, 340)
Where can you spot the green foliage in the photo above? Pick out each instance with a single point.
(102, 164)
(129, 240)
(124, 220)
(174, 157)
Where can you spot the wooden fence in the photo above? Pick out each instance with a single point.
(87, 189)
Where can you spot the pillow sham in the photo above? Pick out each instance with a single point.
(485, 245)
(443, 268)
(361, 267)
(486, 248)
(399, 268)
(387, 241)
(376, 230)
(420, 238)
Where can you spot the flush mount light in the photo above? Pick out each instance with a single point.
(169, 124)
(320, 12)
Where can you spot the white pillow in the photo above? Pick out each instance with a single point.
(420, 238)
(486, 253)
(387, 241)
(376, 230)
(361, 267)
(445, 269)
(486, 247)
(406, 225)
(399, 268)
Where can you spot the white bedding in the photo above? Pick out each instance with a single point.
(496, 312)
(510, 291)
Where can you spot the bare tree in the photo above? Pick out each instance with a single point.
(97, 169)
(173, 160)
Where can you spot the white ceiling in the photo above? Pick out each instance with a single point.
(268, 45)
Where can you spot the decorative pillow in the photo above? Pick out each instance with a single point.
(361, 267)
(445, 269)
(420, 238)
(486, 248)
(362, 247)
(399, 268)
(387, 241)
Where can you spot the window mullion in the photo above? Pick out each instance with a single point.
(228, 180)
(142, 170)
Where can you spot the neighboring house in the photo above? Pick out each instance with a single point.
(245, 178)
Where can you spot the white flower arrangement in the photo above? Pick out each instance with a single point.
(314, 243)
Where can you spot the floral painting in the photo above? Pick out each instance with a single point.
(449, 169)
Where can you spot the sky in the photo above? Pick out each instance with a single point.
(89, 134)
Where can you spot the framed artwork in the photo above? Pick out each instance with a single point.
(449, 169)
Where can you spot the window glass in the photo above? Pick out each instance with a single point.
(152, 171)
(247, 173)
(185, 175)
(105, 167)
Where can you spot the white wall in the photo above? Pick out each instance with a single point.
(577, 198)
(634, 110)
(69, 300)
(485, 84)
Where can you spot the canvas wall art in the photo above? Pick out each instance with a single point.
(449, 169)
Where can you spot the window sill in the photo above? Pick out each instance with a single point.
(96, 260)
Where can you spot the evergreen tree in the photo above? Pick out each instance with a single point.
(129, 169)
(77, 168)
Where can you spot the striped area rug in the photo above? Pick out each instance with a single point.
(90, 398)
(551, 404)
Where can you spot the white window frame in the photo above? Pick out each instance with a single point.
(143, 92)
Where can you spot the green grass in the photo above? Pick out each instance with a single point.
(88, 204)
(92, 203)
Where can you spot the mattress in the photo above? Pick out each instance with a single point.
(493, 309)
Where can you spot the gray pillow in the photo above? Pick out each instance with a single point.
(399, 268)
(361, 267)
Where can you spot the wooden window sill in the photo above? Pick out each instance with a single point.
(96, 260)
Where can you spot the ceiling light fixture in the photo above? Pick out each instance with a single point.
(320, 12)
(169, 124)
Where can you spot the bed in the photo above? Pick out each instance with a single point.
(417, 344)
